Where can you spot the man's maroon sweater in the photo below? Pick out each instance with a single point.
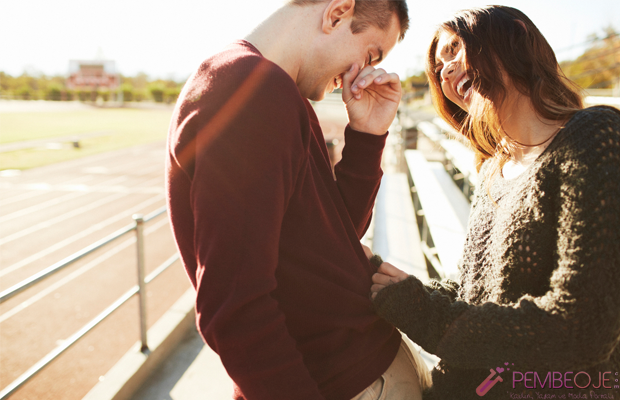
(269, 239)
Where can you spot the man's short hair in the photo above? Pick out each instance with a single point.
(373, 12)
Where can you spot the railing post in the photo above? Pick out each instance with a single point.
(141, 285)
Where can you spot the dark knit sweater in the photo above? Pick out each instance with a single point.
(269, 239)
(539, 289)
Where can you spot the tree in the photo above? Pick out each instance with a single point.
(599, 65)
(136, 88)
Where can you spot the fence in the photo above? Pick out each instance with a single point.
(139, 289)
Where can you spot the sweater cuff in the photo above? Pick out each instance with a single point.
(403, 304)
(391, 300)
(362, 152)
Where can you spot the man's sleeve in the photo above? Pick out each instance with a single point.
(577, 320)
(245, 172)
(358, 175)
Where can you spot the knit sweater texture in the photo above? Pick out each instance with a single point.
(539, 285)
(269, 239)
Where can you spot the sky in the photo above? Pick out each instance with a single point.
(169, 39)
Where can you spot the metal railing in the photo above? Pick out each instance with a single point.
(139, 289)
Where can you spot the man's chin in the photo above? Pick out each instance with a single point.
(317, 96)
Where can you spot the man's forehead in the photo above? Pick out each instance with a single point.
(385, 40)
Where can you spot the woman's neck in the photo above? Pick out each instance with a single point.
(531, 132)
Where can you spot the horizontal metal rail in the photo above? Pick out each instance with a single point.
(137, 289)
(60, 265)
(16, 384)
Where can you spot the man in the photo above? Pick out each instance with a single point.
(268, 238)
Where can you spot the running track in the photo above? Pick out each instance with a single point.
(49, 213)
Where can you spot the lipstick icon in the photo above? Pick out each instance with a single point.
(487, 384)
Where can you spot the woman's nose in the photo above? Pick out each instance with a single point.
(448, 71)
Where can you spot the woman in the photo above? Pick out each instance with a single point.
(539, 290)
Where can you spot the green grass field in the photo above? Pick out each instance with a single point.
(124, 127)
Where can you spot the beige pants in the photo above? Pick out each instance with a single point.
(405, 379)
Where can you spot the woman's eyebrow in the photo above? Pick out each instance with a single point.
(446, 48)
(443, 50)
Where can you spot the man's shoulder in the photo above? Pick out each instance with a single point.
(240, 69)
(240, 92)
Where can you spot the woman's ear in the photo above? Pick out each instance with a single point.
(336, 13)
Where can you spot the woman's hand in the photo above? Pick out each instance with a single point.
(386, 275)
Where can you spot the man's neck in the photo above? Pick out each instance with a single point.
(283, 37)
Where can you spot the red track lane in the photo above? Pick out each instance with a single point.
(47, 214)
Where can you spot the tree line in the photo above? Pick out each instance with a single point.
(43, 87)
(599, 65)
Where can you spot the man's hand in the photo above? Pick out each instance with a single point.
(386, 276)
(371, 98)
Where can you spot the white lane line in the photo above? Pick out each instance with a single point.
(126, 159)
(73, 164)
(96, 159)
(31, 194)
(40, 206)
(65, 216)
(134, 165)
(87, 189)
(23, 196)
(93, 228)
(52, 202)
(85, 268)
(60, 218)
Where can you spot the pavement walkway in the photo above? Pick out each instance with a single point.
(192, 372)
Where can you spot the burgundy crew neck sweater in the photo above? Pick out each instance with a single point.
(269, 239)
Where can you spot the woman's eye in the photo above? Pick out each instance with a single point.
(454, 48)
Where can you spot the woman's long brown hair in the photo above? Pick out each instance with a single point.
(501, 42)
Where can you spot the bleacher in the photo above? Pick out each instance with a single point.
(421, 216)
(440, 195)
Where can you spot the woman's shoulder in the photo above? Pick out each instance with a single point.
(588, 151)
(593, 128)
(603, 111)
(593, 119)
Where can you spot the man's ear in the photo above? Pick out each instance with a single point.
(337, 12)
(519, 22)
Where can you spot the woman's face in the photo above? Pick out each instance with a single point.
(450, 66)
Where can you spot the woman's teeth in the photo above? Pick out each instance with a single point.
(459, 87)
(467, 93)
